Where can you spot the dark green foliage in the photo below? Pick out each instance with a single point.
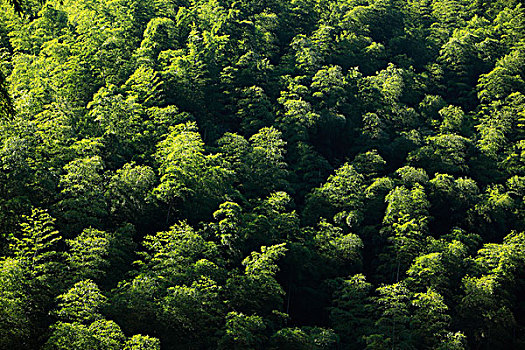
(304, 174)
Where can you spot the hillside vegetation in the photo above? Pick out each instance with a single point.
(262, 174)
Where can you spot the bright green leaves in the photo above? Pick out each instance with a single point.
(411, 320)
(82, 303)
(30, 280)
(267, 143)
(405, 225)
(486, 310)
(501, 132)
(145, 86)
(298, 116)
(329, 85)
(119, 114)
(272, 220)
(67, 335)
(83, 202)
(35, 246)
(304, 338)
(179, 143)
(188, 176)
(469, 52)
(264, 262)
(431, 319)
(193, 312)
(506, 77)
(15, 325)
(254, 110)
(369, 163)
(129, 191)
(173, 251)
(83, 326)
(311, 52)
(337, 248)
(89, 253)
(342, 194)
(441, 270)
(228, 119)
(504, 260)
(454, 120)
(411, 176)
(266, 161)
(142, 342)
(448, 153)
(350, 310)
(159, 36)
(259, 163)
(229, 217)
(258, 281)
(243, 331)
(402, 202)
(182, 285)
(494, 205)
(176, 274)
(393, 321)
(99, 335)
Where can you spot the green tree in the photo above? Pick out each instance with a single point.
(257, 290)
(35, 245)
(342, 193)
(89, 254)
(350, 312)
(142, 342)
(82, 203)
(190, 178)
(15, 323)
(129, 192)
(244, 332)
(394, 319)
(82, 303)
(266, 162)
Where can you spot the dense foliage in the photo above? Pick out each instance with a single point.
(262, 174)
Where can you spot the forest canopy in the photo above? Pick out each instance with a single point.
(262, 174)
